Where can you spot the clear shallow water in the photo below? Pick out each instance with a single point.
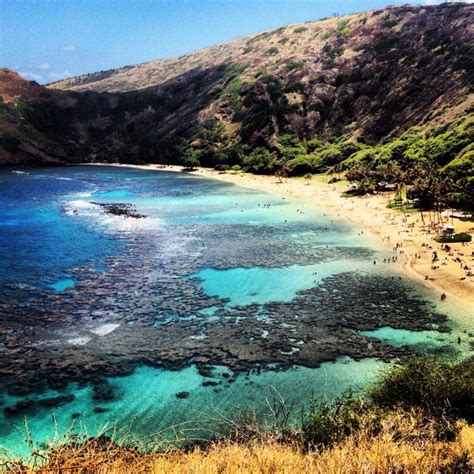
(148, 400)
(212, 266)
(402, 337)
(62, 285)
(244, 286)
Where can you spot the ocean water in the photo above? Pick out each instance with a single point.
(245, 286)
(219, 298)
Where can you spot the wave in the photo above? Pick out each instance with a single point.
(83, 194)
(87, 210)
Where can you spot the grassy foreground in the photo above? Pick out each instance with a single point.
(418, 419)
(358, 453)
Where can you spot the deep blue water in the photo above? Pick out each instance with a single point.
(208, 257)
(39, 243)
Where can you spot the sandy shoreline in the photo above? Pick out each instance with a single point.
(416, 244)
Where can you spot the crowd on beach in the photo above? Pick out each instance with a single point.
(405, 233)
(446, 268)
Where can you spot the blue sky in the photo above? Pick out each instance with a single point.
(46, 40)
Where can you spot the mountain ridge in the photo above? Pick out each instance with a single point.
(305, 33)
(295, 94)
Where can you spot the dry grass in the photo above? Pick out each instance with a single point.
(406, 443)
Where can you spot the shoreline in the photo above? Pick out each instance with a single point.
(389, 227)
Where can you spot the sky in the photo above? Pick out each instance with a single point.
(48, 40)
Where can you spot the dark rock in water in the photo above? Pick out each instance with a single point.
(56, 401)
(19, 407)
(182, 395)
(74, 416)
(119, 209)
(100, 410)
(204, 370)
(102, 392)
(209, 383)
(145, 284)
(28, 404)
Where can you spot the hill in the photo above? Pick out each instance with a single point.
(302, 98)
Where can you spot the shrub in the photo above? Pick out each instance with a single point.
(295, 86)
(331, 155)
(460, 237)
(344, 31)
(303, 164)
(329, 423)
(190, 160)
(384, 44)
(440, 388)
(326, 35)
(10, 142)
(259, 161)
(271, 51)
(292, 65)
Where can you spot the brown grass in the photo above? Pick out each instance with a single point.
(405, 444)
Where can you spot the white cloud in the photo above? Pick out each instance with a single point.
(69, 47)
(31, 76)
(55, 76)
(44, 66)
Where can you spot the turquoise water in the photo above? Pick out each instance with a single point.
(402, 337)
(148, 402)
(244, 286)
(107, 195)
(96, 309)
(62, 285)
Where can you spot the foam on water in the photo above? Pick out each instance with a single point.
(78, 341)
(112, 223)
(105, 329)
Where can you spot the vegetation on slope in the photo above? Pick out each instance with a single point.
(360, 79)
(384, 97)
(418, 419)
